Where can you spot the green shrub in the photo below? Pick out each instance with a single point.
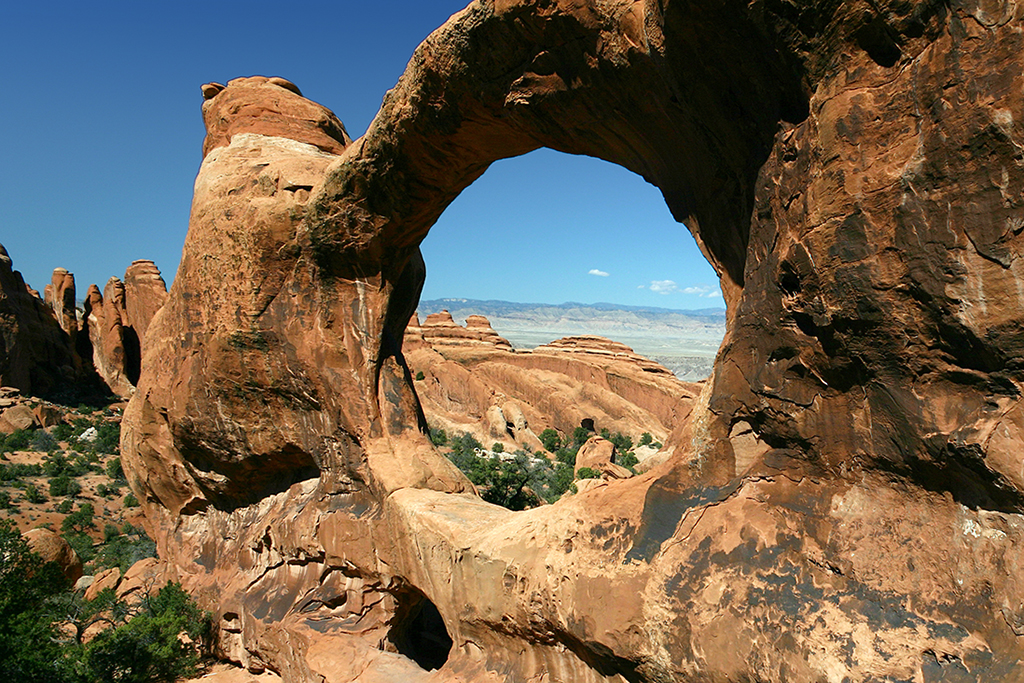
(108, 438)
(79, 521)
(497, 448)
(628, 460)
(438, 437)
(149, 647)
(130, 501)
(550, 440)
(64, 485)
(580, 435)
(588, 473)
(43, 442)
(114, 470)
(82, 544)
(124, 549)
(110, 532)
(5, 500)
(34, 495)
(420, 376)
(19, 440)
(16, 471)
(645, 439)
(29, 649)
(65, 506)
(62, 432)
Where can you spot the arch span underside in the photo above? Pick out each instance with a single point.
(846, 500)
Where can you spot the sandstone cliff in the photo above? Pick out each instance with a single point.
(843, 503)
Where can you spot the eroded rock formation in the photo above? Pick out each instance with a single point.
(116, 321)
(474, 382)
(35, 354)
(845, 501)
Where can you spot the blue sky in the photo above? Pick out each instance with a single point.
(101, 136)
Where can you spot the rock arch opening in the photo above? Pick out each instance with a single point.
(418, 630)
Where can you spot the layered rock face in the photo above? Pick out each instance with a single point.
(35, 354)
(845, 499)
(475, 382)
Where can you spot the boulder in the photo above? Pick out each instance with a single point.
(51, 547)
(18, 417)
(108, 578)
(599, 454)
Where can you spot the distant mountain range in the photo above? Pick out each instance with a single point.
(684, 341)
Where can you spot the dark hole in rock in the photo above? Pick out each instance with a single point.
(132, 355)
(588, 424)
(418, 630)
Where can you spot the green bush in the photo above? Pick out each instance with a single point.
(125, 548)
(108, 438)
(5, 500)
(79, 521)
(29, 650)
(149, 648)
(588, 473)
(62, 431)
(16, 471)
(65, 506)
(34, 495)
(114, 469)
(130, 501)
(43, 442)
(438, 437)
(497, 448)
(110, 532)
(580, 435)
(64, 485)
(420, 376)
(628, 460)
(550, 440)
(82, 544)
(19, 440)
(645, 439)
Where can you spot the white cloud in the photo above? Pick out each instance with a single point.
(664, 286)
(599, 273)
(641, 286)
(701, 291)
(715, 294)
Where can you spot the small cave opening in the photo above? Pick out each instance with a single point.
(418, 630)
(132, 354)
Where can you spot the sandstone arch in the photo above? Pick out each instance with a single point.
(847, 501)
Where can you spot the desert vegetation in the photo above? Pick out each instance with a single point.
(520, 480)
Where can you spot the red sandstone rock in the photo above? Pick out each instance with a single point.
(598, 454)
(108, 578)
(145, 293)
(850, 476)
(268, 106)
(35, 354)
(52, 548)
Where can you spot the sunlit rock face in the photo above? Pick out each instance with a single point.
(845, 500)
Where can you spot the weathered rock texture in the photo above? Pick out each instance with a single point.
(35, 354)
(845, 503)
(473, 381)
(116, 321)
